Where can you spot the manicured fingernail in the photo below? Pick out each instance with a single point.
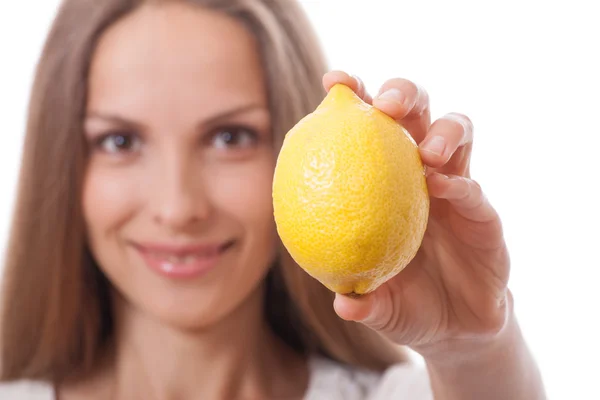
(393, 95)
(435, 145)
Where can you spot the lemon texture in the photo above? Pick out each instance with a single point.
(349, 194)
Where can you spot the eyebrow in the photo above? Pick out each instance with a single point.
(213, 120)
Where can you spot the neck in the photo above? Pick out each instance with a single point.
(238, 357)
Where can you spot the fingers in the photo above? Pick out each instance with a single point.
(377, 309)
(353, 82)
(445, 143)
(407, 103)
(444, 138)
(400, 98)
(374, 309)
(352, 309)
(464, 194)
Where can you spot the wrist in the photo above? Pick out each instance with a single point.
(476, 348)
(475, 351)
(496, 367)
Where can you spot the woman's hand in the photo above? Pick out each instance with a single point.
(456, 286)
(451, 303)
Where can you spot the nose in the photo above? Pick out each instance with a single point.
(180, 200)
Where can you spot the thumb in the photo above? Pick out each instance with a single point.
(373, 309)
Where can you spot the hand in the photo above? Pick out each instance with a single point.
(455, 289)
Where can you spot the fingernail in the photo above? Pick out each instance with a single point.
(435, 145)
(393, 95)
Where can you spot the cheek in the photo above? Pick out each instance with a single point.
(109, 199)
(245, 193)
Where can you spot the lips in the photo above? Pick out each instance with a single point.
(182, 260)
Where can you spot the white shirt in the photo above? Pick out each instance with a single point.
(329, 380)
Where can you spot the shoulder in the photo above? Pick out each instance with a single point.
(334, 381)
(26, 390)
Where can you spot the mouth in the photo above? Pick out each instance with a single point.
(182, 260)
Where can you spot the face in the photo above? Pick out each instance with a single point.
(177, 195)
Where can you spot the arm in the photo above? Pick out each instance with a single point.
(499, 369)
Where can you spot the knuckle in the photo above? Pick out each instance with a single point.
(461, 119)
(402, 84)
(422, 93)
(463, 126)
(475, 186)
(360, 86)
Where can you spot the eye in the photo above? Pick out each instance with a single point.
(113, 143)
(233, 137)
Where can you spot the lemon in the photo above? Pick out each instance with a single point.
(349, 194)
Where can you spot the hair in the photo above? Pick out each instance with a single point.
(55, 314)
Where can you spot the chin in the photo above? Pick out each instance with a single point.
(199, 305)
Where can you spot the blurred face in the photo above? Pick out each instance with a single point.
(177, 197)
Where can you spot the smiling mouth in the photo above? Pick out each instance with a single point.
(182, 261)
(185, 255)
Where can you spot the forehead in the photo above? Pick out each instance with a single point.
(175, 55)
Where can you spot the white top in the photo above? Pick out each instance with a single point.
(328, 381)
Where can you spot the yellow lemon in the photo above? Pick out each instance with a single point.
(349, 194)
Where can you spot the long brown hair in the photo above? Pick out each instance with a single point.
(55, 313)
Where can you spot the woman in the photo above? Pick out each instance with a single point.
(144, 262)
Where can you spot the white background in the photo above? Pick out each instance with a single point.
(526, 72)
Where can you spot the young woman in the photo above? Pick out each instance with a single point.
(144, 261)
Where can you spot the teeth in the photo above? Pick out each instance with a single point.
(171, 259)
(189, 259)
(181, 260)
(174, 259)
